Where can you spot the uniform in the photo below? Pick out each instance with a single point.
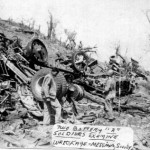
(51, 105)
(110, 90)
(53, 89)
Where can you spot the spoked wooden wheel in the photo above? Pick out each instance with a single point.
(39, 51)
(80, 61)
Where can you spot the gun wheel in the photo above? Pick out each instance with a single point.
(80, 61)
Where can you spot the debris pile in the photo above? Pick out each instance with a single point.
(124, 85)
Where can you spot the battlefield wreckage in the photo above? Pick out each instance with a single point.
(97, 84)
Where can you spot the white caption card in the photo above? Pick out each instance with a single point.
(96, 137)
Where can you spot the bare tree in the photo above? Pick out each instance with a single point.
(55, 23)
(50, 25)
(33, 24)
(39, 28)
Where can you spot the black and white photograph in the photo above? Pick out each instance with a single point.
(75, 74)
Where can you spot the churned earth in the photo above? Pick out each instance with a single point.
(18, 129)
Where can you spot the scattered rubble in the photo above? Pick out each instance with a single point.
(21, 112)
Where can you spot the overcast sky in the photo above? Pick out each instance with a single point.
(104, 23)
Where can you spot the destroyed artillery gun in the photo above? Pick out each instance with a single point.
(97, 82)
(20, 66)
(86, 85)
(130, 66)
(17, 64)
(79, 62)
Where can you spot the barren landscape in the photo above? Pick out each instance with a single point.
(20, 115)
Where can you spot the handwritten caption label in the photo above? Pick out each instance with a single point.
(96, 137)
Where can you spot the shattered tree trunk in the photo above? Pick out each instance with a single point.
(50, 27)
